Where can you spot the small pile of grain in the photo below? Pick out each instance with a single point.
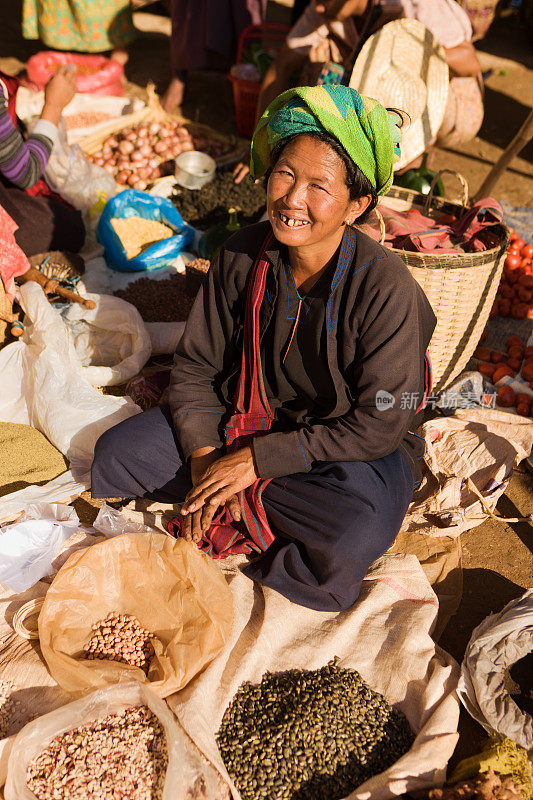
(195, 272)
(137, 234)
(123, 755)
(159, 301)
(27, 458)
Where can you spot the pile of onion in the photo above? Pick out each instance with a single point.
(137, 156)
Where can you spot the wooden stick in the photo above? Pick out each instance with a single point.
(67, 294)
(5, 316)
(513, 148)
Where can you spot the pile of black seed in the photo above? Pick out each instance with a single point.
(166, 300)
(203, 208)
(309, 735)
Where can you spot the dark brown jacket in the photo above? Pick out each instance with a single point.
(379, 323)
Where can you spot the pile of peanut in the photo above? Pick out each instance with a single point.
(121, 637)
(137, 234)
(123, 756)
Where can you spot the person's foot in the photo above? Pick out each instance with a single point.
(120, 54)
(173, 96)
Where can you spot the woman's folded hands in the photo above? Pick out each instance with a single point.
(216, 480)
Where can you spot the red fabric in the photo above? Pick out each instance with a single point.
(13, 262)
(413, 231)
(12, 84)
(251, 415)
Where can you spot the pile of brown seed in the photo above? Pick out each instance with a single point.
(120, 757)
(309, 735)
(166, 300)
(121, 637)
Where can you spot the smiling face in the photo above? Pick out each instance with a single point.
(308, 200)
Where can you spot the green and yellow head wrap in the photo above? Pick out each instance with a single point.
(368, 133)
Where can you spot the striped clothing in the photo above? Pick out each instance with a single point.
(23, 162)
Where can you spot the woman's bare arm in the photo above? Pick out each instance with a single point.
(462, 60)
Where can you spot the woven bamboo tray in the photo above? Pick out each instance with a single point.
(234, 147)
(6, 310)
(461, 287)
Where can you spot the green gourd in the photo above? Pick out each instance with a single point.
(420, 179)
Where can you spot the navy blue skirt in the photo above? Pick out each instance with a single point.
(330, 523)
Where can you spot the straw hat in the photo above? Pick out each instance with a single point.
(403, 66)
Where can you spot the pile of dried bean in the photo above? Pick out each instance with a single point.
(137, 156)
(120, 757)
(121, 637)
(208, 206)
(166, 300)
(309, 735)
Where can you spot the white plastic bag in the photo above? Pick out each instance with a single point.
(111, 523)
(499, 642)
(111, 340)
(186, 776)
(82, 184)
(29, 546)
(43, 385)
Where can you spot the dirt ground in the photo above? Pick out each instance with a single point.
(497, 557)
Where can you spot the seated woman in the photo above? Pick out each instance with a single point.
(297, 381)
(329, 30)
(44, 221)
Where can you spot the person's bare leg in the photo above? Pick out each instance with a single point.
(173, 96)
(120, 54)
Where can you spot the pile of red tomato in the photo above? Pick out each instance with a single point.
(496, 365)
(515, 292)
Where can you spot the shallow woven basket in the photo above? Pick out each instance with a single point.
(5, 308)
(461, 287)
(153, 112)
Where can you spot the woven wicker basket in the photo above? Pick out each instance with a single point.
(460, 287)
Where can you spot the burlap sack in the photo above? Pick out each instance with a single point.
(495, 646)
(385, 635)
(173, 589)
(468, 464)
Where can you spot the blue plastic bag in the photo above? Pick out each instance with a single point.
(132, 203)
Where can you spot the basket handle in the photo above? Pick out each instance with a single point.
(273, 29)
(429, 198)
(381, 221)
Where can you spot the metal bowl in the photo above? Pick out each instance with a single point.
(194, 169)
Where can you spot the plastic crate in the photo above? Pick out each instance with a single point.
(246, 92)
